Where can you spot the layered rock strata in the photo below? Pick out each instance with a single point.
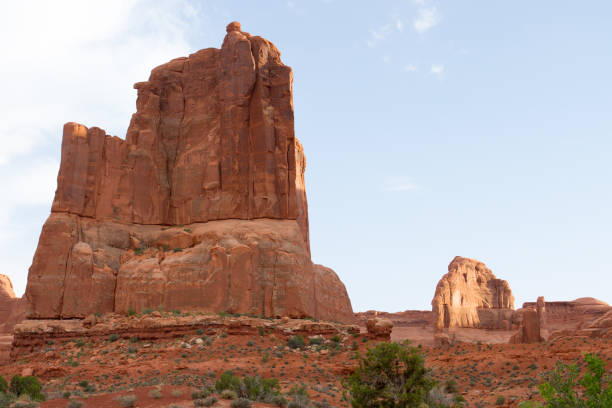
(32, 335)
(470, 295)
(202, 206)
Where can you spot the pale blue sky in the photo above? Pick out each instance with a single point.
(431, 128)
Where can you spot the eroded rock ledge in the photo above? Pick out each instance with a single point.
(32, 335)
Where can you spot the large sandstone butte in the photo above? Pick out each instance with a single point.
(202, 206)
(470, 295)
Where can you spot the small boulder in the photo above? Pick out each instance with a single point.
(379, 328)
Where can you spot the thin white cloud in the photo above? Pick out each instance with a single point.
(437, 70)
(398, 184)
(427, 17)
(386, 59)
(61, 67)
(399, 25)
(410, 68)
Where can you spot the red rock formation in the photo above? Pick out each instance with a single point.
(379, 328)
(469, 295)
(570, 315)
(529, 331)
(12, 308)
(203, 205)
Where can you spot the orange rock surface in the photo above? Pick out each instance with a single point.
(12, 308)
(469, 295)
(202, 206)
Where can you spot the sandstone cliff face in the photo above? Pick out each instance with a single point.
(203, 205)
(469, 295)
(530, 327)
(212, 139)
(12, 308)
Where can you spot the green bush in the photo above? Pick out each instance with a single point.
(201, 394)
(113, 337)
(259, 389)
(314, 341)
(560, 386)
(228, 381)
(28, 385)
(501, 400)
(3, 384)
(74, 404)
(296, 341)
(389, 376)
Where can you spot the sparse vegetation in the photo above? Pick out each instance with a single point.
(241, 403)
(296, 342)
(28, 386)
(563, 387)
(127, 400)
(390, 375)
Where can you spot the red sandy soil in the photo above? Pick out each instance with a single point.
(124, 367)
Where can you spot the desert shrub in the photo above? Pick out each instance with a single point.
(210, 401)
(131, 312)
(529, 404)
(200, 394)
(228, 381)
(450, 386)
(437, 398)
(5, 400)
(259, 389)
(321, 404)
(299, 401)
(241, 403)
(127, 400)
(314, 341)
(501, 400)
(3, 384)
(296, 341)
(75, 404)
(559, 388)
(176, 393)
(113, 337)
(390, 375)
(155, 393)
(28, 385)
(229, 394)
(25, 403)
(279, 401)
